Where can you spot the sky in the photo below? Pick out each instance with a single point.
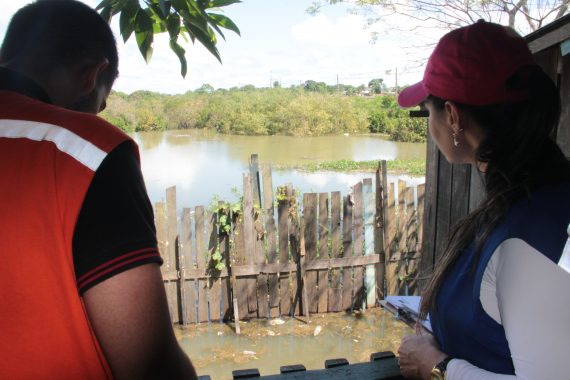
(279, 42)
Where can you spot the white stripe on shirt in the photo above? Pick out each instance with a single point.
(66, 141)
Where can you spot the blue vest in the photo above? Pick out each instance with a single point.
(460, 324)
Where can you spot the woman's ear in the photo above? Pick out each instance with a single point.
(89, 74)
(454, 116)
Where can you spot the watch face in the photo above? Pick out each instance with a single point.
(436, 374)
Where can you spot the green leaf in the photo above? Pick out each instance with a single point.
(217, 255)
(144, 34)
(180, 6)
(181, 54)
(222, 3)
(173, 25)
(208, 40)
(164, 8)
(128, 18)
(224, 22)
(220, 266)
(106, 14)
(104, 4)
(219, 31)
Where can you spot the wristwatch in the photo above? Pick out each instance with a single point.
(439, 370)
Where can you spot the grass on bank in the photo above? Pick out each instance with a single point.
(413, 167)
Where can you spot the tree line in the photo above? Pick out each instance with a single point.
(305, 110)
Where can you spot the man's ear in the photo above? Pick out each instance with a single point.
(90, 72)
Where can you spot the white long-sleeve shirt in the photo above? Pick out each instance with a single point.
(529, 295)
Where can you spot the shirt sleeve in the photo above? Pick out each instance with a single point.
(533, 305)
(115, 229)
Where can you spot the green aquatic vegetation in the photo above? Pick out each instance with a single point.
(413, 167)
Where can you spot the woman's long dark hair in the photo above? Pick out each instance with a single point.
(519, 154)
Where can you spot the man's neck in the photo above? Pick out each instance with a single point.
(12, 80)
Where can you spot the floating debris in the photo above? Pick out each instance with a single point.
(248, 352)
(317, 330)
(276, 322)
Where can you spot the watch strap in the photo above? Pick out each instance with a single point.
(442, 365)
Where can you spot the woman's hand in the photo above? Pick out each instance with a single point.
(418, 355)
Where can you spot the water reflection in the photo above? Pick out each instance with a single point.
(215, 350)
(203, 164)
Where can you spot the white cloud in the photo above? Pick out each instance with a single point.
(344, 32)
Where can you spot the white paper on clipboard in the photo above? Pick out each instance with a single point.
(410, 305)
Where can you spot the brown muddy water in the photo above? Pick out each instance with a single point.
(216, 350)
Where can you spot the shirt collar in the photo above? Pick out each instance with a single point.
(11, 80)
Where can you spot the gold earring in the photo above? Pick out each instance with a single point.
(455, 134)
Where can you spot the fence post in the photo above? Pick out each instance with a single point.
(268, 206)
(249, 236)
(379, 228)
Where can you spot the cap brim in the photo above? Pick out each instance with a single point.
(413, 95)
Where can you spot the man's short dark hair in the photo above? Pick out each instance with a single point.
(60, 32)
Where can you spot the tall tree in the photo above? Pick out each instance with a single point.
(187, 18)
(376, 85)
(522, 15)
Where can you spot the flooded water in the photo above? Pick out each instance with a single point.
(202, 165)
(216, 350)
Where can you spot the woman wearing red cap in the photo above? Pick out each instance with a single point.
(498, 300)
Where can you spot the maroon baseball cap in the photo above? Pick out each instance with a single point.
(471, 65)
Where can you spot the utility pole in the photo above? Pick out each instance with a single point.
(397, 81)
(337, 83)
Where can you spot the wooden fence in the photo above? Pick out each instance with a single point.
(267, 256)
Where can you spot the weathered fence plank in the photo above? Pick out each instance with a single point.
(430, 212)
(310, 219)
(323, 231)
(369, 271)
(171, 286)
(335, 290)
(240, 284)
(214, 282)
(411, 243)
(268, 206)
(347, 252)
(199, 219)
(187, 263)
(250, 242)
(224, 247)
(358, 224)
(283, 203)
(392, 243)
(379, 227)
